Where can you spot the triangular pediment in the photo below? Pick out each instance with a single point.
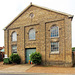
(35, 13)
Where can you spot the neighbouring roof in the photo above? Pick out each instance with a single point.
(2, 50)
(69, 15)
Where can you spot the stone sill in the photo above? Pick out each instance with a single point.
(54, 53)
(32, 40)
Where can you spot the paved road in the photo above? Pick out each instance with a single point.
(37, 74)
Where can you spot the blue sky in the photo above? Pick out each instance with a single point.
(9, 9)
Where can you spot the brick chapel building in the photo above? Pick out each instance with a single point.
(42, 30)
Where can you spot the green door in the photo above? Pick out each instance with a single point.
(28, 52)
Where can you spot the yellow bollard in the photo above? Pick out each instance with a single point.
(29, 62)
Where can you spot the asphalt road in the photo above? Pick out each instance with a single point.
(37, 74)
(26, 74)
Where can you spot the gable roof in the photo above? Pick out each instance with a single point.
(69, 15)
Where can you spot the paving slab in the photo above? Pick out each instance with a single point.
(17, 68)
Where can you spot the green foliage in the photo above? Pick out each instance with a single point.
(6, 60)
(15, 58)
(36, 58)
(73, 49)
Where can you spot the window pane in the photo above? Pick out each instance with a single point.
(54, 46)
(14, 36)
(14, 49)
(32, 34)
(54, 31)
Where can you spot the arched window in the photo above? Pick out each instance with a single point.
(14, 36)
(54, 31)
(32, 34)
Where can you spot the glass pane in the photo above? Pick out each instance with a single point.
(32, 34)
(14, 36)
(54, 46)
(54, 31)
(14, 49)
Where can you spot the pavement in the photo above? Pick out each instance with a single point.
(31, 69)
(17, 68)
(52, 70)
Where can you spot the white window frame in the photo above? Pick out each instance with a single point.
(30, 35)
(14, 37)
(53, 52)
(54, 36)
